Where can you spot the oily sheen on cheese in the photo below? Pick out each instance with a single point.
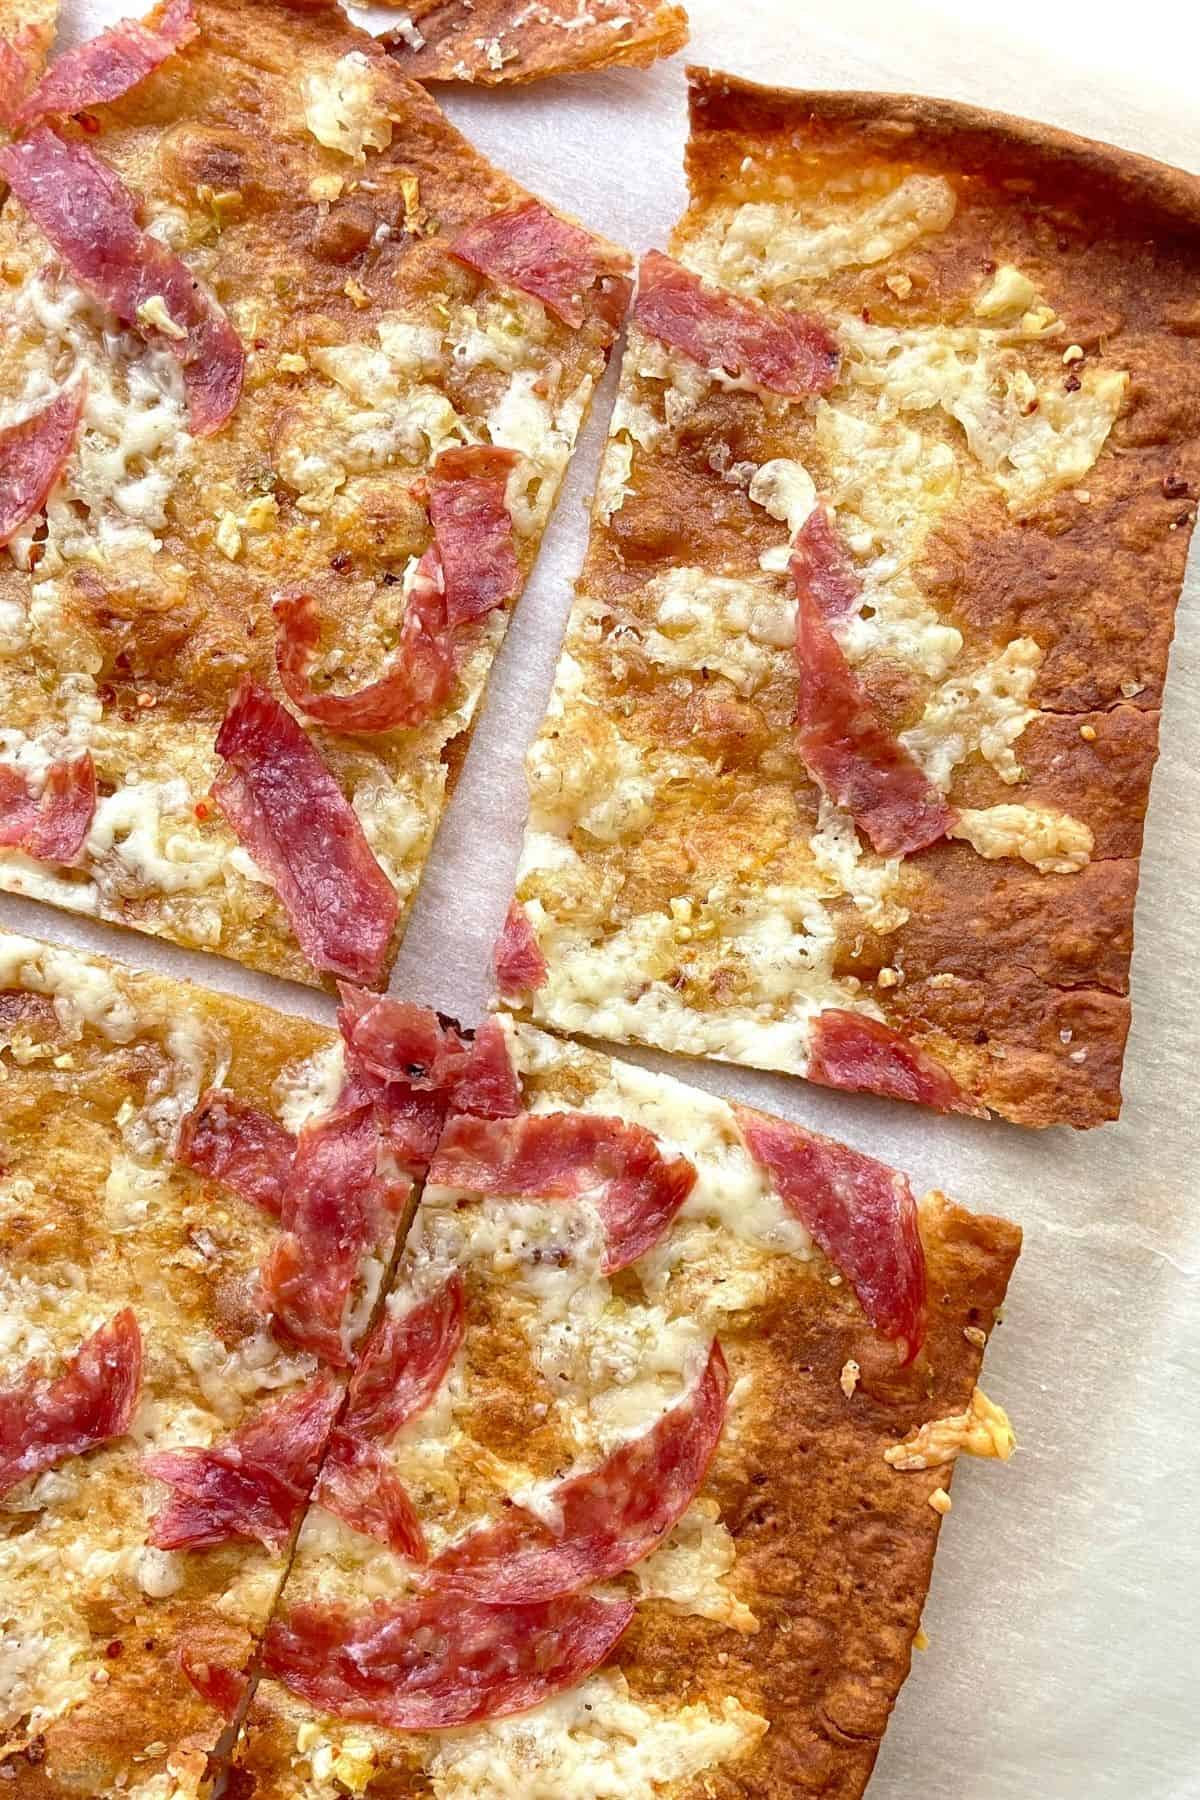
(689, 884)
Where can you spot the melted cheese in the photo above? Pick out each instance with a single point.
(983, 1430)
(342, 107)
(983, 711)
(1054, 842)
(740, 629)
(689, 1570)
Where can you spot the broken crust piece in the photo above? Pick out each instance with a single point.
(801, 1554)
(99, 1222)
(498, 42)
(1008, 452)
(320, 223)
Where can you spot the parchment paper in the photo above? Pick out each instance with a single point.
(1065, 1605)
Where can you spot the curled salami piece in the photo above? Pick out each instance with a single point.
(560, 264)
(763, 346)
(556, 1156)
(240, 1146)
(860, 1212)
(109, 65)
(359, 1487)
(473, 530)
(404, 1362)
(33, 455)
(292, 816)
(519, 963)
(52, 827)
(820, 563)
(254, 1483)
(440, 1659)
(850, 1050)
(398, 1041)
(43, 1422)
(606, 1519)
(90, 217)
(489, 1085)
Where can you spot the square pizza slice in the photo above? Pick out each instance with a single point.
(660, 1419)
(848, 755)
(199, 1204)
(500, 42)
(290, 378)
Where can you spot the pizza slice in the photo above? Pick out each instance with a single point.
(639, 1483)
(200, 1204)
(498, 42)
(291, 377)
(849, 750)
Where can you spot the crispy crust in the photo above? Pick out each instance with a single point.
(1016, 978)
(494, 43)
(308, 246)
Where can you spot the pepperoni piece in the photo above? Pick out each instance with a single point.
(850, 1050)
(335, 1208)
(489, 1084)
(398, 1041)
(860, 1212)
(557, 1156)
(438, 1659)
(763, 346)
(33, 455)
(254, 1483)
(52, 827)
(518, 960)
(110, 64)
(560, 264)
(293, 818)
(607, 1519)
(404, 1362)
(239, 1146)
(359, 1487)
(215, 1682)
(820, 563)
(43, 1422)
(90, 217)
(473, 528)
(857, 761)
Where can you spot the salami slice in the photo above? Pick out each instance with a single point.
(473, 529)
(857, 761)
(33, 455)
(440, 1659)
(397, 1041)
(90, 217)
(404, 1363)
(820, 563)
(254, 1483)
(110, 64)
(519, 963)
(52, 827)
(359, 1487)
(489, 1085)
(607, 1519)
(850, 1050)
(567, 1155)
(860, 1212)
(240, 1146)
(562, 265)
(761, 346)
(299, 827)
(43, 1422)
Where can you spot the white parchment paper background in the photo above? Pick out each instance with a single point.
(1065, 1608)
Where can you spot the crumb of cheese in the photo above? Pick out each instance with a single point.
(153, 312)
(974, 1335)
(940, 1501)
(983, 1430)
(849, 1377)
(921, 1641)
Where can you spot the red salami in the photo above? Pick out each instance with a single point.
(90, 217)
(397, 1041)
(473, 528)
(109, 65)
(560, 264)
(215, 1682)
(821, 565)
(855, 758)
(860, 1212)
(295, 821)
(850, 1050)
(607, 1519)
(554, 1156)
(439, 1659)
(254, 1483)
(404, 1362)
(33, 455)
(519, 963)
(419, 678)
(489, 1084)
(43, 1422)
(52, 827)
(239, 1146)
(359, 1488)
(335, 1209)
(760, 346)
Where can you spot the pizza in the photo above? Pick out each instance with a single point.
(653, 1506)
(850, 744)
(290, 378)
(494, 42)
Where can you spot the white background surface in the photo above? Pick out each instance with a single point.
(1065, 1607)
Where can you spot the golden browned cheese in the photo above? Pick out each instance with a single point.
(773, 1627)
(1010, 452)
(313, 189)
(98, 1067)
(502, 41)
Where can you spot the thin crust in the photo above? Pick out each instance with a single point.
(494, 43)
